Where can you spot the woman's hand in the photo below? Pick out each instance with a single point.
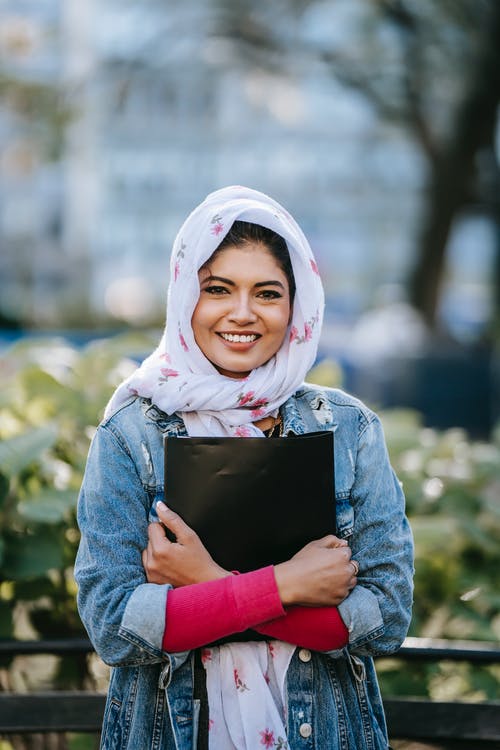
(320, 574)
(178, 563)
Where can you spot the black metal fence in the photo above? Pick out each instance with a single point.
(452, 725)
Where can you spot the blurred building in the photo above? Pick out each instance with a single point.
(161, 114)
(31, 266)
(118, 117)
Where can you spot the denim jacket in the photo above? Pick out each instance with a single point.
(332, 698)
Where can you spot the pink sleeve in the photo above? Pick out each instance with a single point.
(316, 628)
(204, 612)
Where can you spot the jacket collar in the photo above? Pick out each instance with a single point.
(293, 421)
(171, 422)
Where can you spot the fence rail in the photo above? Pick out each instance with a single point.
(464, 725)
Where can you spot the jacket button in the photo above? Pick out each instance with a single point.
(304, 654)
(305, 730)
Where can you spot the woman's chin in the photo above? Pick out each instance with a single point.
(234, 375)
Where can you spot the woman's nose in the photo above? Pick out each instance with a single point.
(242, 310)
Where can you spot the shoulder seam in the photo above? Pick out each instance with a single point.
(107, 427)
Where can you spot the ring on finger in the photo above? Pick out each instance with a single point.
(355, 565)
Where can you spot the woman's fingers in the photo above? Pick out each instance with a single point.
(333, 541)
(320, 574)
(156, 535)
(330, 540)
(179, 563)
(183, 533)
(150, 561)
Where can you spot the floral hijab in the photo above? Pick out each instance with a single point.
(177, 376)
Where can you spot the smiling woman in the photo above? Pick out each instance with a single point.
(244, 308)
(205, 657)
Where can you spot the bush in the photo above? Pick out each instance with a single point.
(452, 487)
(52, 398)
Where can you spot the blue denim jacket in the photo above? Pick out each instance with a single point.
(332, 699)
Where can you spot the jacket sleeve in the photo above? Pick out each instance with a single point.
(123, 614)
(377, 612)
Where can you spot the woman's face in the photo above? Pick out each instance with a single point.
(243, 311)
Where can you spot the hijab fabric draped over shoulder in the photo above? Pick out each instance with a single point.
(177, 377)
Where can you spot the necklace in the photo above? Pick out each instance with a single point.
(277, 429)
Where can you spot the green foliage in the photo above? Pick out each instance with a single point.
(51, 400)
(452, 487)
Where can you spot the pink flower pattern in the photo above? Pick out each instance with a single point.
(178, 258)
(240, 685)
(205, 655)
(267, 738)
(217, 225)
(314, 266)
(167, 373)
(260, 402)
(246, 398)
(257, 413)
(243, 431)
(308, 330)
(183, 341)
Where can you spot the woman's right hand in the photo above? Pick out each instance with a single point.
(179, 563)
(320, 574)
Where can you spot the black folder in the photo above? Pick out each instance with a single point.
(253, 501)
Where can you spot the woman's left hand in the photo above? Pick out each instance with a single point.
(179, 563)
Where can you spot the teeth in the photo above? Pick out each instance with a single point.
(239, 339)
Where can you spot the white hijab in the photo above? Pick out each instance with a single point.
(245, 682)
(177, 376)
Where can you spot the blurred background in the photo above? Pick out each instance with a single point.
(375, 122)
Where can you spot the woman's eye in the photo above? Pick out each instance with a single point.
(270, 294)
(216, 290)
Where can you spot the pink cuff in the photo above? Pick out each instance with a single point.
(204, 612)
(316, 628)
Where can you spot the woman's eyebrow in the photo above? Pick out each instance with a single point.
(218, 278)
(269, 283)
(258, 285)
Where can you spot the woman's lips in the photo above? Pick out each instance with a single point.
(239, 338)
(239, 341)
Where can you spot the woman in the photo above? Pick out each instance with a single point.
(244, 314)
